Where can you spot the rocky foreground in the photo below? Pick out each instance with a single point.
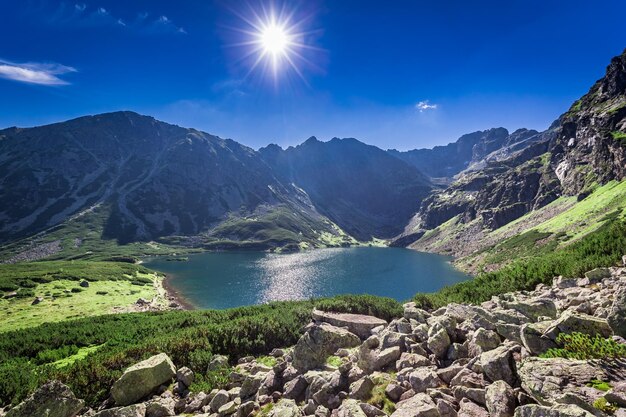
(460, 360)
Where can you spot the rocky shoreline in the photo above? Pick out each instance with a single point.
(457, 361)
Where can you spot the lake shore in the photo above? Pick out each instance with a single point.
(174, 296)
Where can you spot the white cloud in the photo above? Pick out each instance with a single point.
(34, 73)
(425, 105)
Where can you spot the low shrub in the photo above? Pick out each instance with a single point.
(584, 346)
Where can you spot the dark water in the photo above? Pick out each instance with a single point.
(231, 279)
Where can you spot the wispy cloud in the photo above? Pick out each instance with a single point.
(34, 73)
(425, 106)
(83, 15)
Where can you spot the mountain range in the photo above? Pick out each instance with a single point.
(130, 178)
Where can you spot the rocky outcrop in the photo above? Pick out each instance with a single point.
(143, 378)
(53, 399)
(319, 342)
(359, 324)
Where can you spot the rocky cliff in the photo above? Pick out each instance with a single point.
(361, 188)
(582, 150)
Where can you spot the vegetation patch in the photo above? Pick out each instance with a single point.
(584, 346)
(602, 248)
(190, 338)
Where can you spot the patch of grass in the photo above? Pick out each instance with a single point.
(604, 247)
(583, 346)
(381, 307)
(80, 354)
(603, 405)
(334, 361)
(378, 397)
(619, 136)
(600, 385)
(266, 360)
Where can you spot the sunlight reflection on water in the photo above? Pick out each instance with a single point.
(293, 276)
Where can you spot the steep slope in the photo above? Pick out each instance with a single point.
(361, 188)
(470, 151)
(154, 179)
(580, 153)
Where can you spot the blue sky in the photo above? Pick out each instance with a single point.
(397, 74)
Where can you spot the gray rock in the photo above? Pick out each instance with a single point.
(557, 380)
(617, 394)
(53, 399)
(136, 410)
(371, 411)
(423, 378)
(534, 308)
(419, 405)
(295, 388)
(617, 314)
(394, 392)
(533, 339)
(219, 400)
(350, 408)
(498, 364)
(229, 408)
(411, 360)
(161, 407)
(251, 385)
(246, 409)
(362, 388)
(445, 409)
(500, 399)
(534, 410)
(468, 408)
(285, 408)
(571, 322)
(319, 342)
(359, 324)
(439, 342)
(142, 378)
(481, 341)
(217, 362)
(185, 375)
(598, 274)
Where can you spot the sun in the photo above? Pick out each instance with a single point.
(274, 39)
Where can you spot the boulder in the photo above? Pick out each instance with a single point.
(319, 342)
(295, 388)
(481, 341)
(371, 410)
(359, 324)
(285, 408)
(143, 378)
(394, 392)
(534, 308)
(160, 407)
(53, 399)
(617, 394)
(617, 314)
(217, 362)
(219, 400)
(598, 274)
(446, 409)
(230, 407)
(571, 321)
(350, 408)
(419, 405)
(423, 378)
(533, 339)
(361, 389)
(411, 360)
(468, 408)
(135, 410)
(558, 380)
(251, 385)
(534, 410)
(498, 364)
(500, 399)
(185, 376)
(439, 342)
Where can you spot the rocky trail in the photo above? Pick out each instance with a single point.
(459, 360)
